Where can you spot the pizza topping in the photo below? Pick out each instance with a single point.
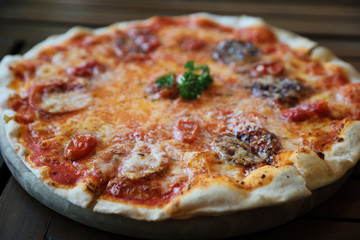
(307, 111)
(267, 68)
(194, 81)
(80, 146)
(231, 149)
(186, 130)
(166, 80)
(282, 90)
(262, 142)
(232, 51)
(136, 44)
(190, 85)
(257, 34)
(144, 38)
(143, 161)
(87, 69)
(165, 87)
(59, 98)
(192, 44)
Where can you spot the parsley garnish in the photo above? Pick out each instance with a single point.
(193, 82)
(166, 80)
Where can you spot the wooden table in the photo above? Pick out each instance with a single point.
(329, 22)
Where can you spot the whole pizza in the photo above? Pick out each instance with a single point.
(174, 117)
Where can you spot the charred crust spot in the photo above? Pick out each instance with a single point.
(242, 182)
(311, 50)
(302, 150)
(321, 155)
(90, 189)
(340, 139)
(341, 128)
(263, 176)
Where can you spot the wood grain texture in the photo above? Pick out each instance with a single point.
(345, 204)
(279, 9)
(301, 18)
(7, 46)
(311, 229)
(22, 217)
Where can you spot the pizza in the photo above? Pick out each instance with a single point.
(175, 117)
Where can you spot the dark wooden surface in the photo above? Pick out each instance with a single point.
(334, 24)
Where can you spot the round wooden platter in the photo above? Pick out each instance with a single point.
(205, 227)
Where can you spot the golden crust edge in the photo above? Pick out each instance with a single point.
(342, 156)
(218, 197)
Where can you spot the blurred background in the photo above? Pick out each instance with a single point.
(335, 24)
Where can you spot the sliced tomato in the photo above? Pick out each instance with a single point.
(80, 146)
(307, 111)
(87, 69)
(185, 130)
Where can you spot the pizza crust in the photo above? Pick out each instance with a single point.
(217, 196)
(342, 156)
(213, 197)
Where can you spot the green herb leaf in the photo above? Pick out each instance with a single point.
(195, 80)
(166, 80)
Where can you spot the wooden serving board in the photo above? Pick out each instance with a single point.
(205, 227)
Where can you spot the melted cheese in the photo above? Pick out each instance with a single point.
(65, 101)
(144, 160)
